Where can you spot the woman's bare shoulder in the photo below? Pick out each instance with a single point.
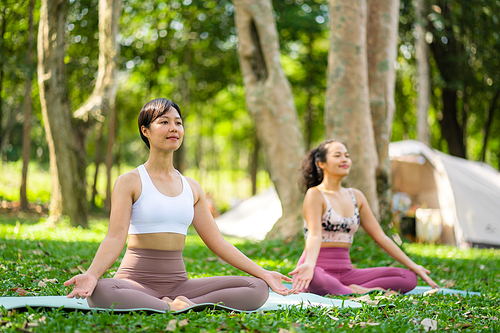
(314, 197)
(196, 188)
(129, 181)
(360, 197)
(313, 191)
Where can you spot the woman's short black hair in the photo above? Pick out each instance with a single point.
(153, 110)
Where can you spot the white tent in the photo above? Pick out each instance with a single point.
(464, 196)
(252, 218)
(465, 193)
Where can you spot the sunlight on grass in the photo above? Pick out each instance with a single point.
(451, 252)
(63, 231)
(39, 186)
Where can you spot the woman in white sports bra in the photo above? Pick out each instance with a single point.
(154, 204)
(332, 214)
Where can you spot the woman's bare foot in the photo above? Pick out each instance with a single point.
(178, 304)
(362, 290)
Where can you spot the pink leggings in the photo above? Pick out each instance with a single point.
(146, 276)
(334, 273)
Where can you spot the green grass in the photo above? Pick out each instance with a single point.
(31, 252)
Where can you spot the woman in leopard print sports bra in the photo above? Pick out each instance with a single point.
(332, 214)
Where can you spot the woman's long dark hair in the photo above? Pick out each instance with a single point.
(153, 110)
(312, 175)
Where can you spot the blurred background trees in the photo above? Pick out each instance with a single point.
(188, 51)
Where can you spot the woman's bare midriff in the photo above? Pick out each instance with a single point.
(165, 241)
(336, 244)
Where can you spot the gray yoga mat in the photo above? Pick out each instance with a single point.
(423, 289)
(274, 302)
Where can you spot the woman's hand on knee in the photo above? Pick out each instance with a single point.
(303, 276)
(273, 280)
(84, 285)
(423, 273)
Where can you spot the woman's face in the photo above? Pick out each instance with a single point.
(165, 132)
(338, 161)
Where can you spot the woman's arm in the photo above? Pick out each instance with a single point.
(113, 243)
(313, 208)
(373, 228)
(206, 227)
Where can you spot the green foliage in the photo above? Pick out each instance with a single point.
(32, 251)
(465, 52)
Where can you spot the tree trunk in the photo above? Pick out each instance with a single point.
(66, 135)
(103, 96)
(97, 163)
(270, 102)
(180, 162)
(23, 200)
(423, 72)
(3, 28)
(109, 157)
(487, 125)
(254, 164)
(382, 30)
(347, 108)
(308, 113)
(449, 124)
(68, 184)
(448, 60)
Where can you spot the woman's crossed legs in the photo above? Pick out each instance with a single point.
(343, 282)
(239, 292)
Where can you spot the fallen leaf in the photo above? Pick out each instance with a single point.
(171, 325)
(81, 269)
(183, 322)
(363, 324)
(282, 330)
(431, 292)
(74, 270)
(37, 252)
(463, 325)
(363, 298)
(42, 284)
(20, 291)
(372, 302)
(429, 324)
(50, 280)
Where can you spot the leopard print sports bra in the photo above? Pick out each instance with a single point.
(337, 228)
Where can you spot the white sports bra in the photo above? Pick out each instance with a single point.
(155, 212)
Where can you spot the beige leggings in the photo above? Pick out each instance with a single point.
(146, 276)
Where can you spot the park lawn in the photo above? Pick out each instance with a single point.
(32, 253)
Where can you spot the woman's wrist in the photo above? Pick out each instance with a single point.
(413, 267)
(95, 275)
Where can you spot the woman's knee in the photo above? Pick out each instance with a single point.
(104, 292)
(411, 279)
(318, 283)
(260, 291)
